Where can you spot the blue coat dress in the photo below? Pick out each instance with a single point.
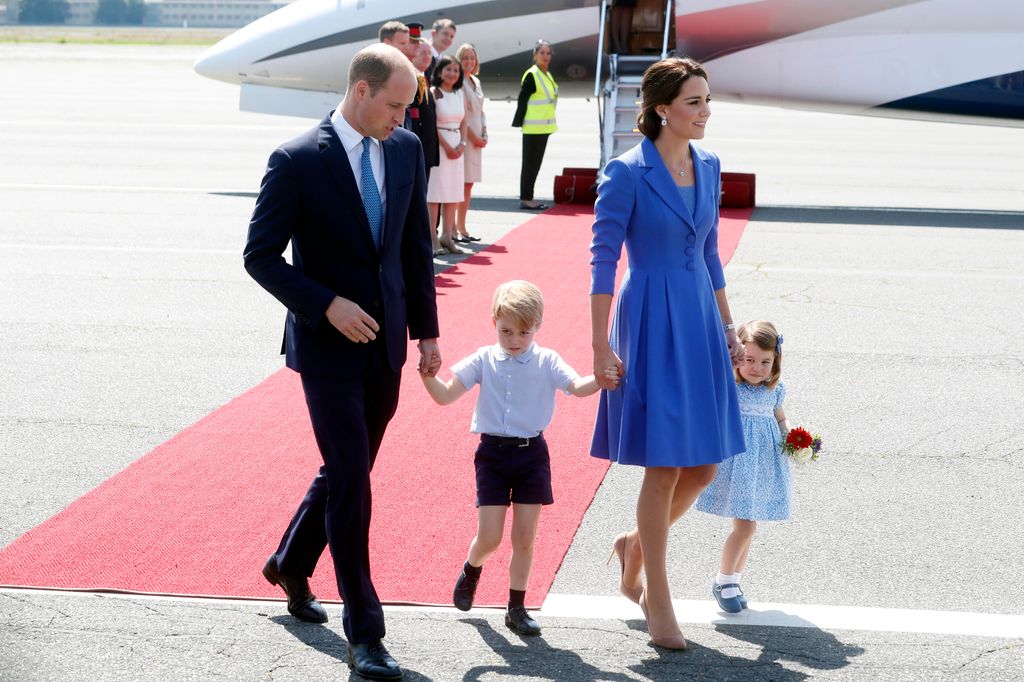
(677, 404)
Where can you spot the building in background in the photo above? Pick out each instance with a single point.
(208, 13)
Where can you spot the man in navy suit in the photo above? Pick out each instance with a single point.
(350, 196)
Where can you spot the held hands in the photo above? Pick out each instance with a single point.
(736, 350)
(352, 321)
(608, 369)
(430, 357)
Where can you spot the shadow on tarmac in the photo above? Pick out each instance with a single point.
(537, 659)
(907, 217)
(809, 647)
(328, 642)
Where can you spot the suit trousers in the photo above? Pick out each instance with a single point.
(533, 157)
(349, 417)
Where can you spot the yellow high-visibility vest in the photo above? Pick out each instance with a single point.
(540, 109)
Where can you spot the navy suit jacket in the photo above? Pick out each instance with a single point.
(309, 196)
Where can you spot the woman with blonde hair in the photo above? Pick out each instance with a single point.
(476, 133)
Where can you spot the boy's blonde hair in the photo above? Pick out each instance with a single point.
(519, 300)
(765, 336)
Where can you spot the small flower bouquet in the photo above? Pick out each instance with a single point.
(801, 446)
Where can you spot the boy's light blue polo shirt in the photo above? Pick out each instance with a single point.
(517, 393)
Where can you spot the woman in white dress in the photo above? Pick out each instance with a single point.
(445, 188)
(476, 132)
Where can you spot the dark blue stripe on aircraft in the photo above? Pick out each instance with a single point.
(996, 97)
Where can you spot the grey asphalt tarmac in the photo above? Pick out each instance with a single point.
(889, 252)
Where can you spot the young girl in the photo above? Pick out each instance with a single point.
(755, 485)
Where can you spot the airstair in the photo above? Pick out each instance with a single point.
(619, 95)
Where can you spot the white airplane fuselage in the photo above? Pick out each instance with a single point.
(945, 58)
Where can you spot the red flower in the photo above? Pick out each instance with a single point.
(799, 438)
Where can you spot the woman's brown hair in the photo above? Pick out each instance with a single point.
(660, 85)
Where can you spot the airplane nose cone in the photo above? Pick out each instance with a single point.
(220, 62)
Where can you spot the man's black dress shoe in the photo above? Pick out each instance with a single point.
(518, 620)
(372, 661)
(465, 590)
(301, 602)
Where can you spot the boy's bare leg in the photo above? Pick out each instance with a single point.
(489, 527)
(525, 518)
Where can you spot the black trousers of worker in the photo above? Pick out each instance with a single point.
(349, 417)
(533, 156)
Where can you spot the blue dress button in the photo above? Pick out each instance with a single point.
(691, 237)
(689, 266)
(689, 251)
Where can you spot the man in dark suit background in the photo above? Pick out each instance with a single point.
(350, 196)
(421, 117)
(442, 35)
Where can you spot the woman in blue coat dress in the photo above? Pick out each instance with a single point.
(672, 338)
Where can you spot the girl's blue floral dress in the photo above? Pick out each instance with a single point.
(755, 484)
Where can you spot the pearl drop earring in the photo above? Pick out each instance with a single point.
(664, 121)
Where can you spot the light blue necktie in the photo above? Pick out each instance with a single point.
(371, 197)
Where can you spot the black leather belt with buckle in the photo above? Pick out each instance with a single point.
(510, 441)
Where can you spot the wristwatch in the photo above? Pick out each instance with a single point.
(729, 327)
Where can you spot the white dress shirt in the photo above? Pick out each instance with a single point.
(352, 142)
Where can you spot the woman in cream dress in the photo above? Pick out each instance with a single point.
(476, 132)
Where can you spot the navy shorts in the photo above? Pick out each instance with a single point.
(512, 470)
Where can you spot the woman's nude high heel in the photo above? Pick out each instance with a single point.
(450, 247)
(673, 642)
(619, 549)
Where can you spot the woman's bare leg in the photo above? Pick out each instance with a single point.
(433, 209)
(463, 209)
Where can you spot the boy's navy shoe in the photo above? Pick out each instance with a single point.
(518, 620)
(465, 590)
(727, 604)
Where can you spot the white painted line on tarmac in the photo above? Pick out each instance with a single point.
(127, 188)
(796, 616)
(6, 124)
(1007, 274)
(694, 612)
(120, 249)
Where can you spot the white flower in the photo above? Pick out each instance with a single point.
(803, 455)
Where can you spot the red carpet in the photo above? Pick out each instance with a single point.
(199, 514)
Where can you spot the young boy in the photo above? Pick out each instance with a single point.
(518, 380)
